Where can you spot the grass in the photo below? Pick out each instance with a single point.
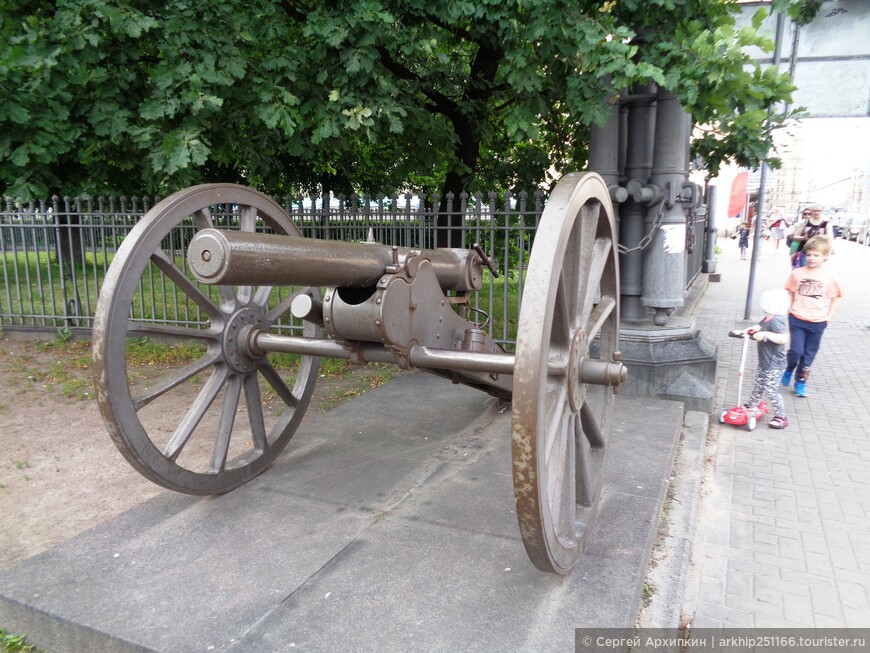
(647, 594)
(350, 381)
(64, 368)
(38, 292)
(35, 284)
(500, 297)
(10, 643)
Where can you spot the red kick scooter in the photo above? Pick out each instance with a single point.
(740, 416)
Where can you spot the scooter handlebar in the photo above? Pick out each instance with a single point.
(741, 334)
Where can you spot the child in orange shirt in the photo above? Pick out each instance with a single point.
(815, 295)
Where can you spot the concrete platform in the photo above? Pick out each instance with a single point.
(387, 525)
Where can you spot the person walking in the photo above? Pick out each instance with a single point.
(778, 226)
(743, 239)
(813, 225)
(815, 295)
(771, 334)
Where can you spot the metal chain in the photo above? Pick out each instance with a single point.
(699, 214)
(647, 239)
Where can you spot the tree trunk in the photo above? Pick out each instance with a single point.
(449, 232)
(465, 115)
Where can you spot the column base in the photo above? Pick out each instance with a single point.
(669, 362)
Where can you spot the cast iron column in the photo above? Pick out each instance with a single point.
(638, 164)
(664, 261)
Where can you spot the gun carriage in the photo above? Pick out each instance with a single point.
(380, 303)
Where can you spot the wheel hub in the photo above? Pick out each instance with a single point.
(236, 351)
(579, 352)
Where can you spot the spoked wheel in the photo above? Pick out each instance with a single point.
(565, 372)
(222, 413)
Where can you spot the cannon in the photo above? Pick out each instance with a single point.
(239, 271)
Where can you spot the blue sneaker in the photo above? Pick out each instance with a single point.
(786, 377)
(800, 388)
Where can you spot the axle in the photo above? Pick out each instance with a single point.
(244, 258)
(591, 371)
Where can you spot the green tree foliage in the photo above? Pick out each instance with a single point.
(132, 96)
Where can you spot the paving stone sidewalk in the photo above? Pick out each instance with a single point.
(783, 533)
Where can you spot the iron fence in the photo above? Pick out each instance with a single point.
(55, 255)
(696, 238)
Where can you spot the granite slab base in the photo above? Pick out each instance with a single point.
(388, 524)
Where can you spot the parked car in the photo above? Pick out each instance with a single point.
(855, 228)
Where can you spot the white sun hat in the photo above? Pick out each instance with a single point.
(775, 301)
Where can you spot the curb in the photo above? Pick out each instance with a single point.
(667, 576)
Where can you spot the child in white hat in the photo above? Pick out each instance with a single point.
(771, 333)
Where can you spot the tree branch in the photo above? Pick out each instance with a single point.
(297, 14)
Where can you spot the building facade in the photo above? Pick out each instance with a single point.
(825, 154)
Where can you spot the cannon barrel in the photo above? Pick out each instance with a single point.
(244, 258)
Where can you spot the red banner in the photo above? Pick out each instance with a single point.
(737, 201)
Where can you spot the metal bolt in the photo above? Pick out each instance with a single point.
(206, 255)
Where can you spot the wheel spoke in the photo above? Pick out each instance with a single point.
(244, 294)
(165, 330)
(202, 219)
(590, 426)
(595, 271)
(227, 421)
(168, 267)
(556, 412)
(248, 219)
(271, 375)
(560, 462)
(603, 310)
(255, 412)
(196, 412)
(172, 380)
(261, 295)
(282, 307)
(572, 273)
(228, 297)
(248, 224)
(562, 313)
(582, 484)
(587, 234)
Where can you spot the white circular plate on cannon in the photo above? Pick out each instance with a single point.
(242, 407)
(561, 413)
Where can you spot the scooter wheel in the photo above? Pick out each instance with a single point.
(722, 416)
(750, 423)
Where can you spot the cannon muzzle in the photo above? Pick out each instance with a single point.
(224, 257)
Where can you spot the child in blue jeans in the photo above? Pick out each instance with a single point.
(815, 295)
